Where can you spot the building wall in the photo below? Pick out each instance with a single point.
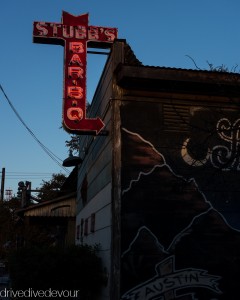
(180, 214)
(95, 229)
(93, 220)
(95, 223)
(161, 187)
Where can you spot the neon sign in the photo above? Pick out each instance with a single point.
(75, 35)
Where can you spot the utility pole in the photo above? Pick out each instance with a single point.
(2, 184)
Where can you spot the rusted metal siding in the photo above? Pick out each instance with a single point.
(175, 117)
(180, 168)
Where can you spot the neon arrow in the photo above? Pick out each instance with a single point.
(75, 34)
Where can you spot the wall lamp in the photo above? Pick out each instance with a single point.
(72, 161)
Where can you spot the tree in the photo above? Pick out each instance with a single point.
(8, 222)
(73, 144)
(51, 189)
(76, 268)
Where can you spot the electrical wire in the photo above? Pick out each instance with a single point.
(23, 175)
(56, 159)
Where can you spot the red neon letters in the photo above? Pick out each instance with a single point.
(75, 34)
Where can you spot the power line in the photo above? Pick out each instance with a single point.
(45, 149)
(24, 172)
(22, 175)
(27, 177)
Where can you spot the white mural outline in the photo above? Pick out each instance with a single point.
(168, 281)
(192, 161)
(170, 169)
(143, 173)
(157, 166)
(149, 290)
(136, 237)
(221, 156)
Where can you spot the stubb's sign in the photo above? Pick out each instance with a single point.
(75, 35)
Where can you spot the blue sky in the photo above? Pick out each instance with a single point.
(160, 32)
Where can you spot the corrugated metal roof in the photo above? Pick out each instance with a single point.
(60, 207)
(132, 60)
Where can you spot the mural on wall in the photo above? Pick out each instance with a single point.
(180, 214)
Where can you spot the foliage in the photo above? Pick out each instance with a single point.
(73, 268)
(7, 224)
(50, 189)
(221, 68)
(212, 68)
(38, 235)
(73, 144)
